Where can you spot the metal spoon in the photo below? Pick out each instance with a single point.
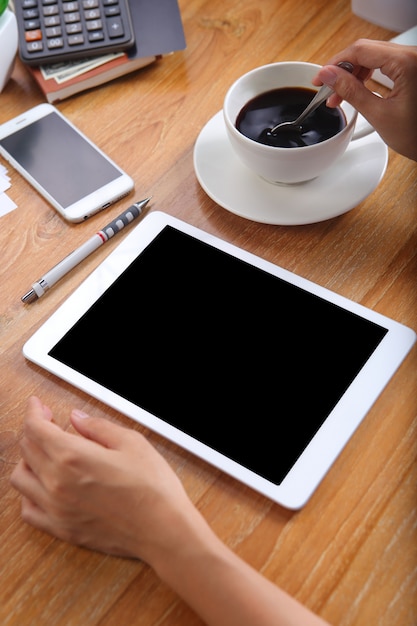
(321, 96)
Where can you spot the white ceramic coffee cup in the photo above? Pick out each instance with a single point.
(284, 165)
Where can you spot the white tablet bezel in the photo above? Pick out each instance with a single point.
(325, 446)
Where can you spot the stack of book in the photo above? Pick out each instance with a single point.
(158, 31)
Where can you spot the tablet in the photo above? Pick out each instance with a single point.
(261, 373)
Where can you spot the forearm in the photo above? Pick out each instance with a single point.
(220, 587)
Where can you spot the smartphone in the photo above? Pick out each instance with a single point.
(61, 163)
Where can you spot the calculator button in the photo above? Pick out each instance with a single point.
(30, 14)
(94, 25)
(114, 27)
(92, 14)
(56, 42)
(75, 40)
(110, 11)
(54, 31)
(34, 46)
(73, 29)
(33, 35)
(96, 35)
(53, 20)
(72, 17)
(50, 10)
(32, 24)
(70, 7)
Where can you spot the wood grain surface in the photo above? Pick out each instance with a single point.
(351, 553)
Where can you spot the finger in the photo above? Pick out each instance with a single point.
(27, 484)
(106, 435)
(45, 446)
(47, 413)
(367, 53)
(36, 406)
(328, 74)
(393, 60)
(349, 88)
(32, 514)
(37, 509)
(37, 424)
(101, 431)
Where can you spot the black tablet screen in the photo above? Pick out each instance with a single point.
(234, 356)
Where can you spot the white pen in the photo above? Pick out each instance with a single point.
(74, 258)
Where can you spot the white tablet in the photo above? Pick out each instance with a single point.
(260, 372)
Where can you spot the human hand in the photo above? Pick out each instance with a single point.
(108, 489)
(391, 116)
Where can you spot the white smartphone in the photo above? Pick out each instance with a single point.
(61, 163)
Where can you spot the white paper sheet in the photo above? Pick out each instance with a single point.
(6, 204)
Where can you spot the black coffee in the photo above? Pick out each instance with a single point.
(263, 112)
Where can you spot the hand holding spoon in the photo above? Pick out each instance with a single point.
(321, 96)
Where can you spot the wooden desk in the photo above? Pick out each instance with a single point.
(351, 553)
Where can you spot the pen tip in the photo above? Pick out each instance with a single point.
(143, 203)
(29, 297)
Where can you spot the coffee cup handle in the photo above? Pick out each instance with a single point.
(362, 128)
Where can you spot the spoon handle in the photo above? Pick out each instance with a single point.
(321, 96)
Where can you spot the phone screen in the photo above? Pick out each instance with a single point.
(66, 165)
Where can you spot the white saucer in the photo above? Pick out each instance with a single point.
(235, 188)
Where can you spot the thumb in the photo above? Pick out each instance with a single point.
(348, 87)
(101, 431)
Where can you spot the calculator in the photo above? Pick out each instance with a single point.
(51, 31)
